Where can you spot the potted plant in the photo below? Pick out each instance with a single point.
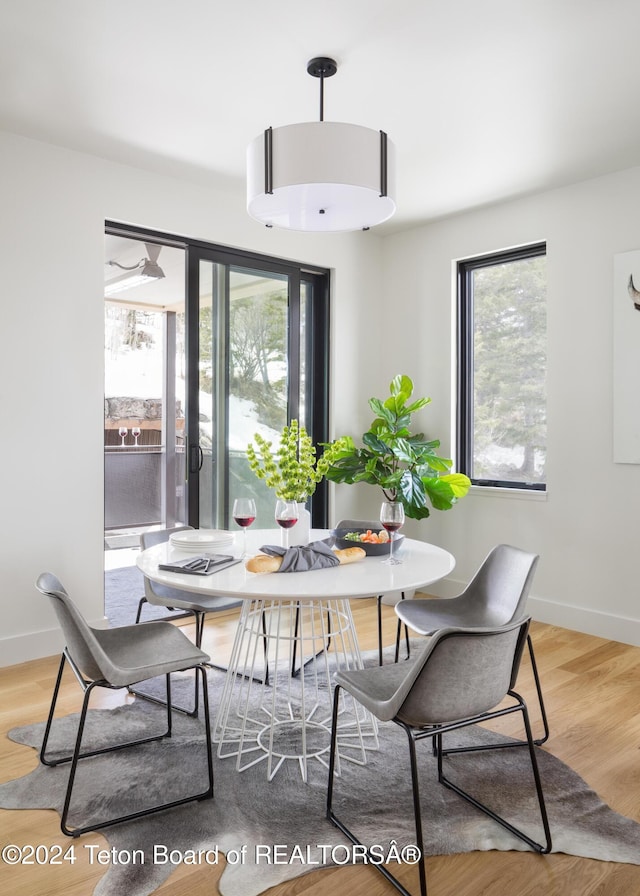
(405, 466)
(293, 471)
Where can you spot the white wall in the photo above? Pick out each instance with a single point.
(391, 313)
(585, 530)
(55, 203)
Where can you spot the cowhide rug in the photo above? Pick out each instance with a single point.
(249, 817)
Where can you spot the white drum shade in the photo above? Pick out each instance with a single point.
(324, 176)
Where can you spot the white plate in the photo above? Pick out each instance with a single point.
(199, 538)
(204, 548)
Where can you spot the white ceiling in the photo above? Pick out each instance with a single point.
(484, 99)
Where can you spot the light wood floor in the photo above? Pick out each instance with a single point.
(592, 690)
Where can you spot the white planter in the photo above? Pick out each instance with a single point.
(300, 533)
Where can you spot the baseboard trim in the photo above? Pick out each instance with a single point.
(577, 619)
(590, 622)
(36, 645)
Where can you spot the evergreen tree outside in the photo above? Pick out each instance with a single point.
(509, 368)
(258, 354)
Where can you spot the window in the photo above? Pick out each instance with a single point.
(502, 419)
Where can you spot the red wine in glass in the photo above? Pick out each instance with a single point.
(244, 513)
(392, 518)
(286, 517)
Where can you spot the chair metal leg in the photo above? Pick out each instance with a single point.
(336, 822)
(295, 672)
(78, 754)
(193, 712)
(52, 709)
(398, 634)
(529, 742)
(141, 603)
(332, 749)
(515, 743)
(417, 813)
(536, 678)
(86, 687)
(265, 679)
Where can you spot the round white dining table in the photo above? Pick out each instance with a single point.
(422, 564)
(295, 630)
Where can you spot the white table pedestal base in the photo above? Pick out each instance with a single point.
(277, 700)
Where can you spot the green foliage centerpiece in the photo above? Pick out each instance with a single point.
(294, 470)
(404, 465)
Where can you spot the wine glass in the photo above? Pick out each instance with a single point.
(135, 432)
(122, 432)
(286, 517)
(392, 518)
(244, 513)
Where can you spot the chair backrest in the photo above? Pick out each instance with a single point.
(81, 643)
(159, 536)
(464, 672)
(498, 592)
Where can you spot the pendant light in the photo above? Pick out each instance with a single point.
(321, 176)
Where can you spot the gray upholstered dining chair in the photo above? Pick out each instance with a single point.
(496, 595)
(459, 678)
(376, 525)
(173, 598)
(117, 658)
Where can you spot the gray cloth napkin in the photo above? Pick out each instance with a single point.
(302, 558)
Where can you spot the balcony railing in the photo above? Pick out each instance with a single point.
(133, 480)
(132, 487)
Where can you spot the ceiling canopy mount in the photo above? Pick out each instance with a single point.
(322, 67)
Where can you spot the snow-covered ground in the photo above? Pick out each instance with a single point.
(137, 373)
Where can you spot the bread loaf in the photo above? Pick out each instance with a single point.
(265, 563)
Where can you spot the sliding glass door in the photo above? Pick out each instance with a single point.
(250, 348)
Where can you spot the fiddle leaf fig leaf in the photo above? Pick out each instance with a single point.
(403, 450)
(412, 489)
(417, 405)
(375, 444)
(440, 493)
(380, 410)
(401, 386)
(460, 484)
(438, 464)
